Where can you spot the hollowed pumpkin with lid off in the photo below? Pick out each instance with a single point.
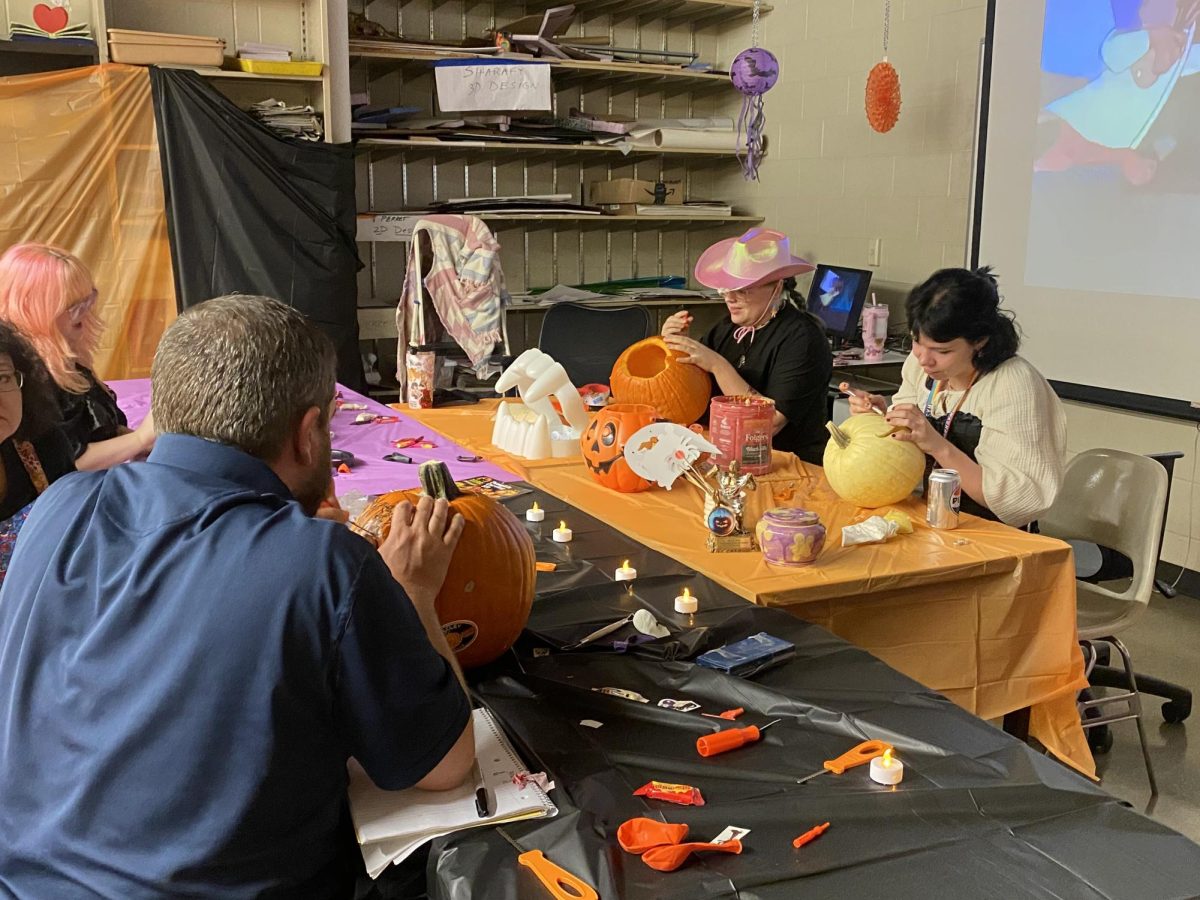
(650, 372)
(866, 466)
(485, 600)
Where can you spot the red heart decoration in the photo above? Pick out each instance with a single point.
(51, 19)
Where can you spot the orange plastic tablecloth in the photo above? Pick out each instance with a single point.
(471, 427)
(984, 614)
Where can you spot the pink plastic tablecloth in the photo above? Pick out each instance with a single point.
(369, 443)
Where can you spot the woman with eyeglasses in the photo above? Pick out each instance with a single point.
(50, 297)
(769, 346)
(33, 449)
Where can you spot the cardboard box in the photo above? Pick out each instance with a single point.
(629, 192)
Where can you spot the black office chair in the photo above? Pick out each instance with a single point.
(1113, 566)
(587, 339)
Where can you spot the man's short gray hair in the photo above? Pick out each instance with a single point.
(241, 370)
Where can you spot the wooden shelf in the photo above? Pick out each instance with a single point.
(520, 307)
(696, 13)
(31, 57)
(630, 220)
(50, 48)
(579, 68)
(397, 227)
(211, 72)
(446, 149)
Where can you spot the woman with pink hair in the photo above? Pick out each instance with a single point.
(49, 296)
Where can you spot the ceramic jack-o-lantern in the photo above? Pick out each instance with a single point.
(603, 444)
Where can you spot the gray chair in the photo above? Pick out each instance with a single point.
(1114, 499)
(587, 340)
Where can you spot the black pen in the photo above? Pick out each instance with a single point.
(481, 797)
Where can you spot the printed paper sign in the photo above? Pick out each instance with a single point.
(478, 85)
(386, 228)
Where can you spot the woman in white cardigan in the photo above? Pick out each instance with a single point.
(972, 404)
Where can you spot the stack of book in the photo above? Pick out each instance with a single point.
(301, 122)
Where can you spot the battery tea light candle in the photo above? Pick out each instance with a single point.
(686, 603)
(887, 770)
(535, 513)
(626, 572)
(562, 534)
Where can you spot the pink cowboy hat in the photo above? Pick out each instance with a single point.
(758, 256)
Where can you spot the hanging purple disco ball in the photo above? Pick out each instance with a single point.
(754, 71)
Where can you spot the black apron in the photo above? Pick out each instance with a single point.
(965, 432)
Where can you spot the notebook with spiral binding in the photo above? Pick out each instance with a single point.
(391, 825)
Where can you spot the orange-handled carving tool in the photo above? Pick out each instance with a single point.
(729, 739)
(811, 835)
(561, 884)
(855, 756)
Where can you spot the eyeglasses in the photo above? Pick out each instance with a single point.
(11, 381)
(79, 309)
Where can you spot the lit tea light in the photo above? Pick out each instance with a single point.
(886, 769)
(562, 534)
(626, 572)
(535, 513)
(686, 603)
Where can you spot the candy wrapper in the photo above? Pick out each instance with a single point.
(874, 530)
(683, 794)
(541, 779)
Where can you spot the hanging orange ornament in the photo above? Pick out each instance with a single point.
(883, 86)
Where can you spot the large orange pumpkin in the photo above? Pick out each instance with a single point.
(603, 443)
(485, 600)
(650, 372)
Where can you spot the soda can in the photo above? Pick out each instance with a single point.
(943, 498)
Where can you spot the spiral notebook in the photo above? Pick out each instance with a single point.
(391, 825)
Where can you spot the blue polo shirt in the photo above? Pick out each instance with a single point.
(186, 662)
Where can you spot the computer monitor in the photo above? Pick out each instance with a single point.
(836, 298)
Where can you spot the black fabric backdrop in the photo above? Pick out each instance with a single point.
(252, 213)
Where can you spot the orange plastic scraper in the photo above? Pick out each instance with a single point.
(561, 884)
(729, 739)
(855, 756)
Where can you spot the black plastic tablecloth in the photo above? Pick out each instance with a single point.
(978, 814)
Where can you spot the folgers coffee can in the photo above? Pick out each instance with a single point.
(943, 497)
(741, 429)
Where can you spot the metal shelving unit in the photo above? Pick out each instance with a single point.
(314, 29)
(410, 173)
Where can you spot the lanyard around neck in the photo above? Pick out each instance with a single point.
(937, 389)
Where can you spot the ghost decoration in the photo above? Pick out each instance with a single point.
(664, 452)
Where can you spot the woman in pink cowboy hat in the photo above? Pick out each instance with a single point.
(769, 346)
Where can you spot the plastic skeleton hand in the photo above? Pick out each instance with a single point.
(537, 377)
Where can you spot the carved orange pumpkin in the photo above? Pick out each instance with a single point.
(603, 444)
(650, 372)
(485, 600)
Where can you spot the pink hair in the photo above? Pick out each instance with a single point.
(37, 284)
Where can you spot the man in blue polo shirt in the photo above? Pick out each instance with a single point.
(188, 656)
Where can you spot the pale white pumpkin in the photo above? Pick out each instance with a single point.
(866, 466)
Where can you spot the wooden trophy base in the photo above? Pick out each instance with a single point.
(732, 543)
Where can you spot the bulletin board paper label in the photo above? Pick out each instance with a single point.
(386, 228)
(481, 85)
